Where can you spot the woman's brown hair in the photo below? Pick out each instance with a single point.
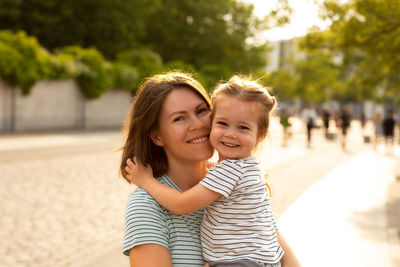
(144, 118)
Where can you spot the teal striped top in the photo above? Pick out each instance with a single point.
(149, 223)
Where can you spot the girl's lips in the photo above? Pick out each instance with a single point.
(198, 140)
(229, 144)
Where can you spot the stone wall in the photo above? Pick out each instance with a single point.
(60, 105)
(6, 107)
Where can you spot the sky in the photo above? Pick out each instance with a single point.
(305, 15)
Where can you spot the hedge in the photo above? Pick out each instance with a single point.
(23, 61)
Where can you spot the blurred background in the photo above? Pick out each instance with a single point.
(69, 70)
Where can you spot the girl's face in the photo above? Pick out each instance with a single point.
(234, 128)
(184, 127)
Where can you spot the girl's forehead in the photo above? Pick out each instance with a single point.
(228, 102)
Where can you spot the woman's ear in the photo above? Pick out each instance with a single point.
(156, 138)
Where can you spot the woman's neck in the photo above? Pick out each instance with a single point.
(188, 174)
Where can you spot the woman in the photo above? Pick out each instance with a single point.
(168, 129)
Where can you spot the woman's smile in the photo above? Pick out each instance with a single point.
(198, 140)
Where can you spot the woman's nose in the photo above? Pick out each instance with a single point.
(196, 124)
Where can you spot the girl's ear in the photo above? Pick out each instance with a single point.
(156, 138)
(260, 138)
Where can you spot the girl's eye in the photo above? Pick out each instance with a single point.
(243, 127)
(222, 123)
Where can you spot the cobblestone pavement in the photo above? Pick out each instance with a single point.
(59, 204)
(63, 203)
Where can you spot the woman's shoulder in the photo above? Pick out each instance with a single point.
(140, 200)
(140, 196)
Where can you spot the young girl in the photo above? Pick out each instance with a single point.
(238, 227)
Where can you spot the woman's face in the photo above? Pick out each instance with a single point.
(184, 127)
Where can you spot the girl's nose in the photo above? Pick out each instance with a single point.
(230, 134)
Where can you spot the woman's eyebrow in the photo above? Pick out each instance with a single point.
(183, 111)
(176, 113)
(201, 104)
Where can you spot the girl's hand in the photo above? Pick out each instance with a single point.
(137, 173)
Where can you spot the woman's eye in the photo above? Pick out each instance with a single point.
(178, 118)
(201, 110)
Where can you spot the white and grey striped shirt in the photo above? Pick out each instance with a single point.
(149, 223)
(240, 224)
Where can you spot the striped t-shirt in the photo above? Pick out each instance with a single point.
(240, 224)
(149, 223)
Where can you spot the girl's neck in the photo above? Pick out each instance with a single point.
(188, 174)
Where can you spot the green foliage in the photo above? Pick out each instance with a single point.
(283, 83)
(210, 75)
(216, 38)
(367, 34)
(317, 77)
(178, 65)
(92, 76)
(204, 33)
(145, 61)
(109, 25)
(124, 76)
(10, 59)
(145, 33)
(23, 61)
(64, 66)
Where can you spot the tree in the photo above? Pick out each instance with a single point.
(208, 35)
(204, 33)
(317, 77)
(283, 84)
(109, 25)
(367, 32)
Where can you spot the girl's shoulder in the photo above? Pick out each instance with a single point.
(238, 163)
(248, 160)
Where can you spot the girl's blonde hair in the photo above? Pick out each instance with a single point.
(247, 90)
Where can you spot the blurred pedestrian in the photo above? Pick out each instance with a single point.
(309, 117)
(377, 119)
(326, 116)
(345, 119)
(388, 130)
(363, 121)
(285, 123)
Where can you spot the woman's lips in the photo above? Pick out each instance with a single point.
(198, 140)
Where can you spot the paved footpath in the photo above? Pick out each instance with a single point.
(341, 220)
(63, 204)
(61, 199)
